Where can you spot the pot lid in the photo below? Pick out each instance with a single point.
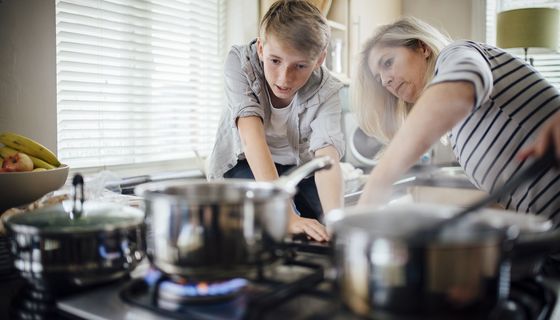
(398, 222)
(95, 216)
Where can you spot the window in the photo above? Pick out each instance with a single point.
(138, 81)
(547, 64)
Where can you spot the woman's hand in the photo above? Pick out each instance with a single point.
(549, 136)
(375, 194)
(311, 227)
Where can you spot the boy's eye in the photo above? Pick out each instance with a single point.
(275, 61)
(301, 66)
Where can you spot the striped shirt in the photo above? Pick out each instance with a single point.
(512, 102)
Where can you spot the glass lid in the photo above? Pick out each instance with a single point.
(60, 218)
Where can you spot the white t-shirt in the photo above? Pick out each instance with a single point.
(277, 134)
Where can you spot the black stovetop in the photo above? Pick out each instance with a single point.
(300, 286)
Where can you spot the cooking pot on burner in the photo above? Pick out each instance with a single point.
(218, 229)
(465, 270)
(75, 243)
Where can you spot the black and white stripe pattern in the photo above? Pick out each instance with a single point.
(513, 100)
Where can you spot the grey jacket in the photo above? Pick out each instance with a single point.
(314, 122)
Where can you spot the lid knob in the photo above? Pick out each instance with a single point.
(77, 209)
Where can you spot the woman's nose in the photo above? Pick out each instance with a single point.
(386, 80)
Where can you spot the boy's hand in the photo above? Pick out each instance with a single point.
(311, 227)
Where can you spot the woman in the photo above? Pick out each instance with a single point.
(283, 109)
(414, 86)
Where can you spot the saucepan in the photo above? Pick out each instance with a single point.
(76, 244)
(466, 269)
(218, 229)
(411, 260)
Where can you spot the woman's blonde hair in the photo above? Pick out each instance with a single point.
(299, 23)
(379, 113)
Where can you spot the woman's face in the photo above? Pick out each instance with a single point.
(285, 68)
(400, 70)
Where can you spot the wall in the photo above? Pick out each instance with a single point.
(365, 16)
(28, 62)
(462, 19)
(242, 21)
(28, 69)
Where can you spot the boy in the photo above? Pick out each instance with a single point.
(283, 109)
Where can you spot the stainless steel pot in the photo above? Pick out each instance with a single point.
(61, 248)
(218, 229)
(465, 270)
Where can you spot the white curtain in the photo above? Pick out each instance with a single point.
(138, 81)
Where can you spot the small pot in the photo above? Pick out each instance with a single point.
(219, 229)
(60, 248)
(466, 270)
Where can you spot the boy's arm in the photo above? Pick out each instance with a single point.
(251, 132)
(329, 182)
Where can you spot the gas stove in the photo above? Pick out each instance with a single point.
(299, 286)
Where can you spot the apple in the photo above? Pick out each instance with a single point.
(17, 162)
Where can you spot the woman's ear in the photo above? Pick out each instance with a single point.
(426, 51)
(260, 48)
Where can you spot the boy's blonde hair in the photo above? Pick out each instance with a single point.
(379, 113)
(299, 23)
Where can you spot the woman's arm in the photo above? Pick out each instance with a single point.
(439, 108)
(329, 182)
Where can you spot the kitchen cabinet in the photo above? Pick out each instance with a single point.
(338, 54)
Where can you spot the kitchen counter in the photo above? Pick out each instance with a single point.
(427, 183)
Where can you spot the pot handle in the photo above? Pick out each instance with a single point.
(290, 181)
(537, 244)
(77, 207)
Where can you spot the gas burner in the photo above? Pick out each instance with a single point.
(249, 298)
(172, 293)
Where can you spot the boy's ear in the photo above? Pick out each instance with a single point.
(322, 57)
(260, 48)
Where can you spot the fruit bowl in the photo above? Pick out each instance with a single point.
(19, 188)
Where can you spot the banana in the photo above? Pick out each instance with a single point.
(37, 163)
(6, 152)
(29, 146)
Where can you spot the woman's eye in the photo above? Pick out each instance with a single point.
(275, 61)
(301, 66)
(388, 63)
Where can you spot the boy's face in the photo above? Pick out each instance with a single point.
(285, 68)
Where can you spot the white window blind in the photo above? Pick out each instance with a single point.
(548, 64)
(138, 81)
